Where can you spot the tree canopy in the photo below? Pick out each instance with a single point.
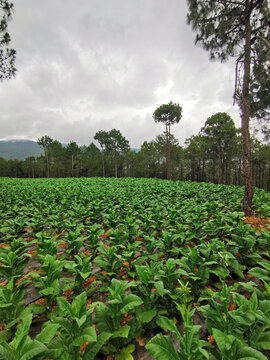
(168, 114)
(239, 29)
(7, 55)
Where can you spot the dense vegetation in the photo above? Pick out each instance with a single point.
(100, 262)
(213, 155)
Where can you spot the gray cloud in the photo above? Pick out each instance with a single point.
(91, 65)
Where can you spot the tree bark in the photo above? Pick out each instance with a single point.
(245, 116)
(72, 165)
(168, 152)
(103, 165)
(115, 166)
(47, 163)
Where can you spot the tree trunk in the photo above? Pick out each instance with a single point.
(115, 166)
(103, 165)
(245, 107)
(47, 163)
(168, 152)
(72, 165)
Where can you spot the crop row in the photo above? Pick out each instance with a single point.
(98, 267)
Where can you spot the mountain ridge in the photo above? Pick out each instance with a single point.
(21, 149)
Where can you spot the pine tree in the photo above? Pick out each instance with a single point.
(238, 28)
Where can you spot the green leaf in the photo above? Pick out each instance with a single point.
(32, 349)
(122, 332)
(65, 307)
(47, 333)
(262, 342)
(224, 342)
(79, 304)
(92, 349)
(253, 302)
(89, 335)
(259, 273)
(265, 264)
(81, 321)
(142, 273)
(168, 325)
(49, 291)
(248, 353)
(130, 302)
(125, 354)
(6, 353)
(161, 348)
(160, 288)
(103, 320)
(145, 316)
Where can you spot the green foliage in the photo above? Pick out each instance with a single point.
(183, 243)
(75, 328)
(22, 347)
(12, 307)
(168, 113)
(191, 348)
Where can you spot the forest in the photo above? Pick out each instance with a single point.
(213, 155)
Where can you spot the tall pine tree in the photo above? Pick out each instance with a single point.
(240, 29)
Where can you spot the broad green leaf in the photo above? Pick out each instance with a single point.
(146, 316)
(47, 333)
(168, 325)
(266, 265)
(223, 341)
(89, 336)
(81, 321)
(6, 353)
(79, 304)
(130, 302)
(93, 348)
(103, 320)
(125, 354)
(65, 307)
(161, 348)
(253, 302)
(32, 349)
(143, 275)
(122, 332)
(248, 353)
(160, 288)
(259, 273)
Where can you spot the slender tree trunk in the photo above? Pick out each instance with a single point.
(72, 165)
(103, 165)
(47, 163)
(168, 152)
(245, 116)
(115, 166)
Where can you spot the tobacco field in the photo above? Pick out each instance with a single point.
(105, 268)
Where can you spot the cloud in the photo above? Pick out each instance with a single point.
(94, 65)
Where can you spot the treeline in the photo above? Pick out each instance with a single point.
(213, 155)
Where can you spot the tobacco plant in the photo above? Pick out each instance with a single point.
(12, 307)
(109, 318)
(47, 280)
(81, 268)
(22, 347)
(75, 329)
(12, 263)
(191, 347)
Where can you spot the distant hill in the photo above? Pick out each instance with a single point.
(19, 149)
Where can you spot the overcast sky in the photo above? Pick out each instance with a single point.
(92, 65)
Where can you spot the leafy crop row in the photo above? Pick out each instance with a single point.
(91, 268)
